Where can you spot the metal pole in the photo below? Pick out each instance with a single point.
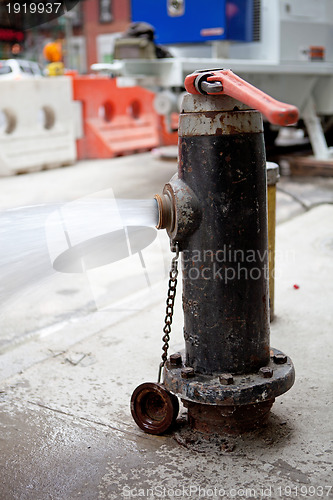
(68, 36)
(272, 178)
(315, 131)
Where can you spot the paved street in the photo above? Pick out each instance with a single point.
(74, 346)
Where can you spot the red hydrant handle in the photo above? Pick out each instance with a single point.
(276, 112)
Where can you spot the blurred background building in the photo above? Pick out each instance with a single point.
(88, 32)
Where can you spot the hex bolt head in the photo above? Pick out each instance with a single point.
(176, 359)
(266, 372)
(280, 359)
(187, 372)
(226, 379)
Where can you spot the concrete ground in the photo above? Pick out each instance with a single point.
(74, 346)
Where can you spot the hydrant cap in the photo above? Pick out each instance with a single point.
(202, 115)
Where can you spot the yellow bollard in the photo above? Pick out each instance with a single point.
(272, 178)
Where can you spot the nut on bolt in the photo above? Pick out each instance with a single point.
(226, 379)
(266, 371)
(187, 372)
(176, 359)
(280, 359)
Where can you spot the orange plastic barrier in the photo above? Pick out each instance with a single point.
(116, 121)
(168, 138)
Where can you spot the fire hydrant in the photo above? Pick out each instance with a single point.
(215, 213)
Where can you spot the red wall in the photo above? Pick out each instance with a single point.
(92, 27)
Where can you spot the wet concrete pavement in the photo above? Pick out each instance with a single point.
(67, 378)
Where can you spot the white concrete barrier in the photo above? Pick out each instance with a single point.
(36, 125)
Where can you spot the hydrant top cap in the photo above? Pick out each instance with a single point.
(204, 103)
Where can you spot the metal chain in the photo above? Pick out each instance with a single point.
(169, 309)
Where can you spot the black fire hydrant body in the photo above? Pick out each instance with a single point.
(228, 375)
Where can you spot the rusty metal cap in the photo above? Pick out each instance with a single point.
(153, 408)
(205, 103)
(202, 115)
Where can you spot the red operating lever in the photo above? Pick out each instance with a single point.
(225, 82)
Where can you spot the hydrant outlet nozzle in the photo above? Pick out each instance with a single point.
(179, 210)
(165, 212)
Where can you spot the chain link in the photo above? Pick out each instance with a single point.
(169, 309)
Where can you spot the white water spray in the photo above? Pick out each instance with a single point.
(33, 237)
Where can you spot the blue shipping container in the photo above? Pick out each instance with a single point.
(191, 21)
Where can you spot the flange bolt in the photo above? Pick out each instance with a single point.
(187, 372)
(176, 359)
(266, 372)
(280, 359)
(226, 379)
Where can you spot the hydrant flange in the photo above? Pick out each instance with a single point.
(245, 389)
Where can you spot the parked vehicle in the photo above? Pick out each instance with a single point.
(19, 69)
